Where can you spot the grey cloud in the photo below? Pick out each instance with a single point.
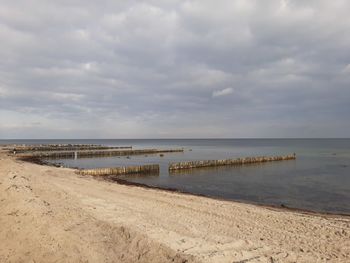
(151, 68)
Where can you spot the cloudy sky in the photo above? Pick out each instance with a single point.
(174, 69)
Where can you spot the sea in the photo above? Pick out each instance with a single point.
(318, 180)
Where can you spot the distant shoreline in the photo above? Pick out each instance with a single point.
(243, 138)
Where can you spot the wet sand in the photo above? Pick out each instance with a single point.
(50, 214)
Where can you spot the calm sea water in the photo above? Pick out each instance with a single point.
(318, 180)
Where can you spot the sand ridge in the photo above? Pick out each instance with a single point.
(51, 214)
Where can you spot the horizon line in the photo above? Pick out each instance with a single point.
(201, 138)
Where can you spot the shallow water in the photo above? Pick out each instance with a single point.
(318, 180)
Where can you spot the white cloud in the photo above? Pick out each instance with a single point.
(224, 92)
(68, 97)
(346, 69)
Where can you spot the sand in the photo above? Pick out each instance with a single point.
(50, 214)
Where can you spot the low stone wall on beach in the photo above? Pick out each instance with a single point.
(238, 161)
(140, 169)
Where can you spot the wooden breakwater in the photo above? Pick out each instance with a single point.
(238, 161)
(95, 153)
(62, 147)
(140, 169)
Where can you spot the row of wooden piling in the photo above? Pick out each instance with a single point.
(95, 153)
(140, 169)
(154, 168)
(238, 161)
(62, 147)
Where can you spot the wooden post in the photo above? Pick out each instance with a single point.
(141, 169)
(238, 161)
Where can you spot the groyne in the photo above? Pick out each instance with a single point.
(140, 169)
(62, 147)
(95, 153)
(238, 161)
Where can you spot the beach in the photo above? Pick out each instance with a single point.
(51, 214)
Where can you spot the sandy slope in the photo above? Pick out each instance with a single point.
(52, 215)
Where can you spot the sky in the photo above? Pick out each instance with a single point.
(174, 69)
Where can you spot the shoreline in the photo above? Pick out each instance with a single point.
(281, 207)
(51, 214)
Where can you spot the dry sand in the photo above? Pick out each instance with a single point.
(51, 214)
